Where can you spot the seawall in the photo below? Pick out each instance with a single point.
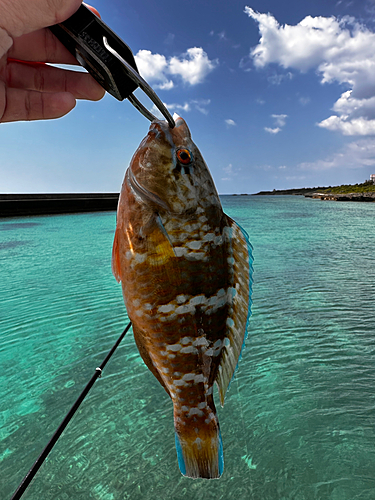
(13, 205)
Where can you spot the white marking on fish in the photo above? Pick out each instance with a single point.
(198, 442)
(185, 309)
(200, 341)
(198, 299)
(195, 411)
(189, 350)
(186, 340)
(140, 257)
(174, 347)
(180, 299)
(194, 245)
(179, 382)
(166, 308)
(180, 251)
(208, 237)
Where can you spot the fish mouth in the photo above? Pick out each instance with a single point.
(143, 193)
(161, 129)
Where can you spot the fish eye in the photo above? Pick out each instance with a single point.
(184, 156)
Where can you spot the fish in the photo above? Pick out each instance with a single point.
(186, 273)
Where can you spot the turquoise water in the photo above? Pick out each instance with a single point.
(299, 419)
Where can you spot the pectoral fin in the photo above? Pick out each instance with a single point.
(159, 247)
(116, 267)
(240, 259)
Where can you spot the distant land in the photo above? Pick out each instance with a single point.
(297, 191)
(345, 192)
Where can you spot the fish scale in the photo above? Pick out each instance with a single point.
(185, 269)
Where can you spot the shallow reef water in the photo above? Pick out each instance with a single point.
(298, 421)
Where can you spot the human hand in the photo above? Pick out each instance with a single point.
(29, 88)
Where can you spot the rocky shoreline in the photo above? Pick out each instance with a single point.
(324, 193)
(364, 197)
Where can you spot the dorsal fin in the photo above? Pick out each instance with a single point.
(240, 259)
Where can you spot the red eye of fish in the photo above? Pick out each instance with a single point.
(184, 156)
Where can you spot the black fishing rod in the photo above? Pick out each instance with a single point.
(34, 469)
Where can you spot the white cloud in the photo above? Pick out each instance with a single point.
(280, 119)
(272, 130)
(230, 123)
(355, 126)
(304, 100)
(355, 155)
(279, 122)
(192, 66)
(151, 67)
(340, 50)
(166, 85)
(278, 79)
(179, 107)
(230, 172)
(354, 116)
(197, 104)
(201, 105)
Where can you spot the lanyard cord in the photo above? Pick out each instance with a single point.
(39, 461)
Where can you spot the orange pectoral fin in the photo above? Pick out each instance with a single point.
(116, 267)
(159, 247)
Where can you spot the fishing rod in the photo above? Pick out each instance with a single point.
(39, 461)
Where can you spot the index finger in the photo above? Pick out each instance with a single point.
(24, 16)
(41, 46)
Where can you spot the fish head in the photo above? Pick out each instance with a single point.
(168, 170)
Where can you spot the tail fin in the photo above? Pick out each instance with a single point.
(199, 445)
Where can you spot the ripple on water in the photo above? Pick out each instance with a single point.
(298, 419)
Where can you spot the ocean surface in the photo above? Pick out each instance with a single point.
(299, 418)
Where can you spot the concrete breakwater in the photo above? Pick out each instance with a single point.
(13, 205)
(364, 197)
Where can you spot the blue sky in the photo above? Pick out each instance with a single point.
(276, 95)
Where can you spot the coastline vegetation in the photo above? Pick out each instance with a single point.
(365, 187)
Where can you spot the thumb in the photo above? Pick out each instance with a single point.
(19, 17)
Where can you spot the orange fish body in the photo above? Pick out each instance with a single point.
(185, 269)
